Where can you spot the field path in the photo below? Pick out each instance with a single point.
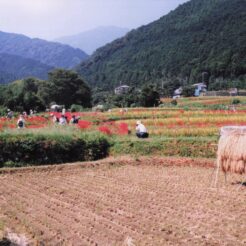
(149, 201)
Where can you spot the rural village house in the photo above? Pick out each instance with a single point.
(123, 89)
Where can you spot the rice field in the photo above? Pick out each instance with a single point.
(130, 200)
(149, 201)
(171, 121)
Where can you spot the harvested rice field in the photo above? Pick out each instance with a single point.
(148, 201)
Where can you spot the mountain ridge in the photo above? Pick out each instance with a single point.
(91, 40)
(14, 67)
(50, 53)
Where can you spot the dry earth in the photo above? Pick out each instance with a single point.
(151, 201)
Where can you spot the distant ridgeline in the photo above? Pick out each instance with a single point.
(15, 67)
(22, 57)
(90, 40)
(199, 36)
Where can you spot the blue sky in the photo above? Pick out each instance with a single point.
(50, 19)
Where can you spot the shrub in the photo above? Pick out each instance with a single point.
(174, 102)
(76, 108)
(3, 111)
(236, 101)
(37, 149)
(188, 91)
(218, 107)
(187, 147)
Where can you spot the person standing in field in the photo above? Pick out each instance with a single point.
(55, 119)
(62, 120)
(63, 111)
(141, 130)
(21, 122)
(10, 114)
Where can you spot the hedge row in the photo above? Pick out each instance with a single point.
(186, 147)
(36, 149)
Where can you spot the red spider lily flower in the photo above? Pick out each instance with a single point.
(105, 130)
(37, 119)
(110, 123)
(202, 125)
(123, 129)
(171, 126)
(4, 120)
(12, 126)
(180, 122)
(83, 124)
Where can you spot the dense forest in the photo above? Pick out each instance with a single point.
(199, 36)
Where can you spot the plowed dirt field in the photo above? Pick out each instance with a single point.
(154, 201)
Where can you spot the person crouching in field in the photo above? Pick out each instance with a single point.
(141, 130)
(74, 120)
(21, 122)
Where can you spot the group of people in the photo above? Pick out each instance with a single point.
(63, 120)
(21, 118)
(141, 131)
(20, 121)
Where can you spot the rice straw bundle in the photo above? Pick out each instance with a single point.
(231, 155)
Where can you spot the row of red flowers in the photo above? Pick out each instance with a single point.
(35, 122)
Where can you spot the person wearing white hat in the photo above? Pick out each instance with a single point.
(141, 130)
(10, 114)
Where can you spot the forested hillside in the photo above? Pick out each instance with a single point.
(49, 53)
(16, 67)
(199, 36)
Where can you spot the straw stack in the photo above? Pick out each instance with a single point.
(231, 155)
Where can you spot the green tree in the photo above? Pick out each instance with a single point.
(188, 91)
(149, 96)
(2, 93)
(22, 95)
(66, 87)
(170, 86)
